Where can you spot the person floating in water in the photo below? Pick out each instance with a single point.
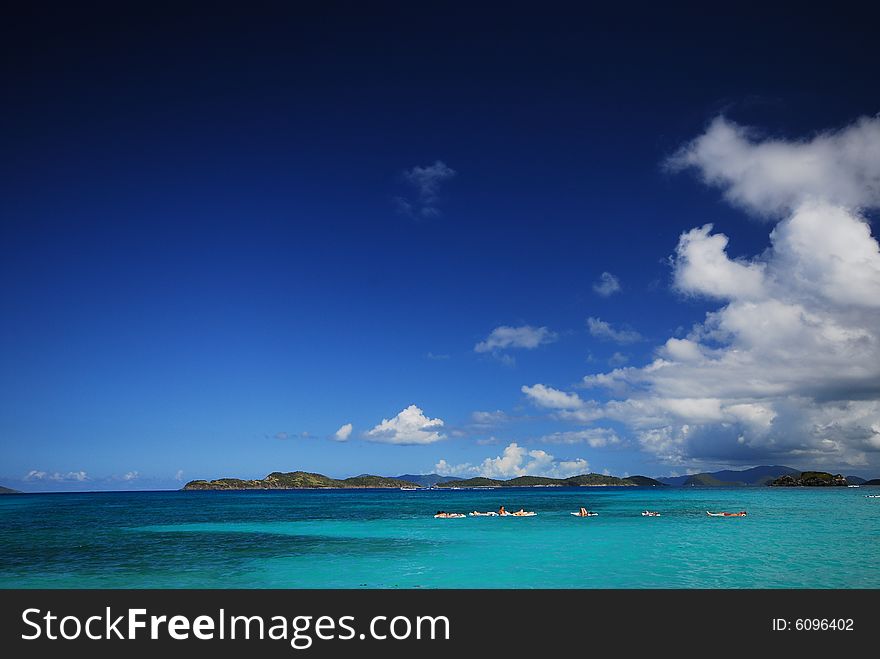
(741, 513)
(583, 512)
(442, 514)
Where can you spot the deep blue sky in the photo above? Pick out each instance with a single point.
(201, 247)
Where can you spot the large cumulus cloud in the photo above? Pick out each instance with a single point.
(787, 367)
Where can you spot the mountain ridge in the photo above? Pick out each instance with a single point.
(427, 480)
(583, 480)
(754, 476)
(298, 480)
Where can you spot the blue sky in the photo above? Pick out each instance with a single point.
(224, 238)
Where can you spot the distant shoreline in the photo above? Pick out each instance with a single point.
(445, 489)
(301, 480)
(298, 480)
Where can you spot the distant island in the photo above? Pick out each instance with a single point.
(298, 480)
(585, 480)
(762, 475)
(302, 480)
(427, 480)
(811, 479)
(7, 490)
(776, 476)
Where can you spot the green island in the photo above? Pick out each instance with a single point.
(302, 480)
(584, 480)
(810, 479)
(8, 490)
(298, 480)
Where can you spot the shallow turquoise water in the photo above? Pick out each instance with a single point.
(792, 538)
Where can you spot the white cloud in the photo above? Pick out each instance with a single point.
(681, 350)
(506, 465)
(787, 368)
(443, 468)
(489, 419)
(774, 177)
(566, 405)
(179, 475)
(618, 359)
(516, 460)
(605, 331)
(410, 426)
(343, 433)
(607, 285)
(545, 396)
(569, 468)
(130, 476)
(702, 267)
(504, 358)
(594, 437)
(524, 336)
(70, 476)
(426, 181)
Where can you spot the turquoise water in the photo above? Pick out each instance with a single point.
(792, 538)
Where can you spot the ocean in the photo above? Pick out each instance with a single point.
(791, 538)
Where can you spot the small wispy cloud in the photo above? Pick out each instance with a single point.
(594, 437)
(505, 337)
(343, 433)
(607, 285)
(437, 357)
(426, 182)
(284, 435)
(488, 419)
(130, 476)
(565, 405)
(69, 477)
(617, 359)
(605, 331)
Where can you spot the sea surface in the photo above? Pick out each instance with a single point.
(792, 538)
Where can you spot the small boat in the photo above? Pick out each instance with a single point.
(650, 513)
(852, 485)
(409, 489)
(523, 513)
(872, 496)
(589, 514)
(449, 515)
(739, 514)
(479, 514)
